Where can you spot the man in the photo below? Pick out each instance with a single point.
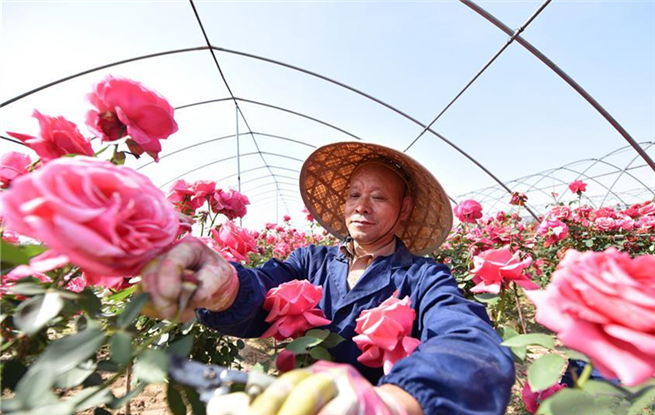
(387, 207)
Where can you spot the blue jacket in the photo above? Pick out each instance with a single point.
(458, 369)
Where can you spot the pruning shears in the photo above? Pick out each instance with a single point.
(213, 380)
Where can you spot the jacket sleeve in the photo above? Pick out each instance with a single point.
(459, 368)
(245, 318)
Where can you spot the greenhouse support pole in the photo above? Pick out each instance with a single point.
(236, 111)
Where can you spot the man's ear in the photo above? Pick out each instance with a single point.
(406, 208)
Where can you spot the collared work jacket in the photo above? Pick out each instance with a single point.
(458, 369)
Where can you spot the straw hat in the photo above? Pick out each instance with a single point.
(325, 177)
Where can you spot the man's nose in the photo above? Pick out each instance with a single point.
(363, 205)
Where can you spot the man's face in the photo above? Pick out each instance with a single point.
(373, 203)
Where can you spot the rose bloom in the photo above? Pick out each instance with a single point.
(292, 309)
(286, 218)
(553, 230)
(468, 211)
(127, 108)
(308, 215)
(230, 203)
(180, 195)
(578, 187)
(559, 212)
(108, 220)
(518, 199)
(496, 267)
(12, 165)
(235, 243)
(532, 400)
(605, 224)
(383, 333)
(602, 304)
(57, 137)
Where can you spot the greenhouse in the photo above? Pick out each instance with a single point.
(311, 207)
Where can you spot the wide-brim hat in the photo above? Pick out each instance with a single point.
(325, 177)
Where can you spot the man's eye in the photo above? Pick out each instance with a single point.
(354, 195)
(379, 198)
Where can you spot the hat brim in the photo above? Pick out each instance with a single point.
(325, 177)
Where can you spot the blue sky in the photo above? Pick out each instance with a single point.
(518, 118)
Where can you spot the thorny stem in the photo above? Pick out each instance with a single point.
(128, 381)
(518, 308)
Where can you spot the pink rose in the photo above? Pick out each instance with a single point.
(127, 108)
(578, 187)
(57, 137)
(602, 304)
(230, 203)
(235, 243)
(12, 165)
(308, 215)
(108, 220)
(292, 309)
(496, 267)
(468, 211)
(383, 333)
(559, 212)
(553, 230)
(518, 199)
(532, 400)
(286, 218)
(605, 224)
(180, 196)
(626, 223)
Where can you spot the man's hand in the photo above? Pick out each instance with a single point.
(166, 279)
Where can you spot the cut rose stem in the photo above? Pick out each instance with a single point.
(518, 308)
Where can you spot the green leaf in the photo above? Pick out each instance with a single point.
(66, 353)
(569, 401)
(643, 402)
(34, 388)
(546, 371)
(123, 294)
(76, 375)
(98, 397)
(301, 344)
(320, 353)
(332, 340)
(27, 288)
(121, 348)
(487, 298)
(589, 243)
(152, 366)
(182, 346)
(132, 310)
(13, 254)
(197, 406)
(33, 314)
(101, 411)
(506, 332)
(318, 333)
(12, 371)
(531, 339)
(175, 401)
(107, 366)
(118, 403)
(602, 388)
(89, 302)
(573, 355)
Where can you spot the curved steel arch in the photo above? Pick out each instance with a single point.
(263, 177)
(258, 168)
(226, 159)
(219, 139)
(543, 58)
(263, 104)
(295, 68)
(245, 191)
(625, 169)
